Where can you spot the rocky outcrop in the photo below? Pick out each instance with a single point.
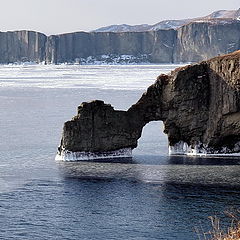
(199, 105)
(190, 43)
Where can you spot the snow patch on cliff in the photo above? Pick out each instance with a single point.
(113, 59)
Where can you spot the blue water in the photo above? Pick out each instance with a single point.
(152, 196)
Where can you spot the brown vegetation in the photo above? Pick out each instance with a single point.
(218, 233)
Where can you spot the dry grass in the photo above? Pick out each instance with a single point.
(217, 233)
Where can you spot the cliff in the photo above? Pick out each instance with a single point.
(190, 43)
(158, 46)
(199, 105)
(203, 40)
(22, 46)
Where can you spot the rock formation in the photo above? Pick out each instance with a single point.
(199, 105)
(22, 46)
(189, 43)
(158, 46)
(203, 40)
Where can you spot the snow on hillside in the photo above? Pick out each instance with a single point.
(124, 28)
(222, 14)
(171, 24)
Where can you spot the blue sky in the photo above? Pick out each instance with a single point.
(60, 16)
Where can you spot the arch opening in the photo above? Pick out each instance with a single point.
(153, 141)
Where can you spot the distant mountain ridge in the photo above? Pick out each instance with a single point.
(220, 15)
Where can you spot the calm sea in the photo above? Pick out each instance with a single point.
(152, 196)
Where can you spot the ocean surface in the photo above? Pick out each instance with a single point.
(151, 196)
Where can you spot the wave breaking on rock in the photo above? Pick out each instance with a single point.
(85, 156)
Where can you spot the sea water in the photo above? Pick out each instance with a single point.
(151, 196)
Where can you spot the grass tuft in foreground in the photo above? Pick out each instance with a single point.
(218, 233)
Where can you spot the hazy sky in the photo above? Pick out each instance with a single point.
(60, 16)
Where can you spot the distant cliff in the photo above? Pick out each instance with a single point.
(189, 43)
(202, 40)
(158, 46)
(22, 46)
(199, 105)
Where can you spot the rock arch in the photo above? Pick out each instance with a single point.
(199, 105)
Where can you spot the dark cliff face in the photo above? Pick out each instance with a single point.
(85, 131)
(68, 47)
(158, 46)
(22, 46)
(190, 43)
(199, 105)
(200, 41)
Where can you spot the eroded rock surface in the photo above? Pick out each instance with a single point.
(199, 105)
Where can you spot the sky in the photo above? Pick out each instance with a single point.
(62, 16)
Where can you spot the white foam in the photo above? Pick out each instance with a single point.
(182, 148)
(85, 156)
(179, 148)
